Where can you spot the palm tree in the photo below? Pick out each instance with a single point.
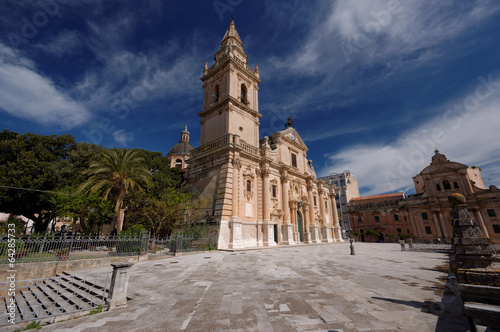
(119, 172)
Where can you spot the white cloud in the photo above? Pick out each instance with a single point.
(466, 134)
(67, 42)
(27, 94)
(122, 137)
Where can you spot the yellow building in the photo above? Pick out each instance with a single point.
(260, 192)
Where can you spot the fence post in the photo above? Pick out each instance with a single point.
(119, 285)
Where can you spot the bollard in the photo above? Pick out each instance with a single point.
(352, 246)
(402, 243)
(119, 285)
(410, 244)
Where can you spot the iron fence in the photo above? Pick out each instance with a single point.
(74, 247)
(37, 299)
(179, 243)
(61, 248)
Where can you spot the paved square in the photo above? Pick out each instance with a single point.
(298, 288)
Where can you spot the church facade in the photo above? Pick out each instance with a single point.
(259, 192)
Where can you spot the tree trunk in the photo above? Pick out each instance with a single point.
(118, 208)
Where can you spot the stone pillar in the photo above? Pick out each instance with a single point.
(268, 232)
(444, 226)
(236, 179)
(235, 236)
(284, 191)
(307, 231)
(428, 184)
(325, 229)
(436, 224)
(479, 218)
(335, 216)
(266, 195)
(119, 285)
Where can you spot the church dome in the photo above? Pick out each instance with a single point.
(181, 148)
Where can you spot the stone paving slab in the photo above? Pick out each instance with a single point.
(298, 288)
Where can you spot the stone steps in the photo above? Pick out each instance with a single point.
(50, 297)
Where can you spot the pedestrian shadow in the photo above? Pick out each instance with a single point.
(426, 306)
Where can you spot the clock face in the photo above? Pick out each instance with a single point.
(293, 137)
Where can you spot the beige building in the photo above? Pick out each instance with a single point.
(259, 192)
(428, 211)
(346, 188)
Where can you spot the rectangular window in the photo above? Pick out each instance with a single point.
(377, 219)
(399, 230)
(496, 228)
(491, 213)
(294, 160)
(424, 216)
(274, 191)
(404, 217)
(428, 230)
(338, 206)
(360, 220)
(396, 217)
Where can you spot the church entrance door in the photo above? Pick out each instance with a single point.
(299, 226)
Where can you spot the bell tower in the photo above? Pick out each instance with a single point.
(230, 94)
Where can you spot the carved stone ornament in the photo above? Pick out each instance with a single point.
(248, 172)
(236, 163)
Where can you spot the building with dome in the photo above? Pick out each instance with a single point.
(427, 213)
(178, 155)
(259, 192)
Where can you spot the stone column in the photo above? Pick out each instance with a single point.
(267, 227)
(119, 285)
(446, 230)
(335, 217)
(266, 195)
(236, 179)
(325, 229)
(436, 224)
(284, 191)
(428, 184)
(313, 228)
(479, 218)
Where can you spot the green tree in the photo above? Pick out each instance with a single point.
(373, 233)
(89, 210)
(163, 203)
(33, 162)
(118, 172)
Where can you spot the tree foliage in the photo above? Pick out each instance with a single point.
(119, 172)
(40, 164)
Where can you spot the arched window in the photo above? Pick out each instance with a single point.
(217, 93)
(249, 185)
(455, 185)
(438, 187)
(244, 94)
(446, 185)
(178, 163)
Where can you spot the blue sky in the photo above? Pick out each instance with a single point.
(374, 86)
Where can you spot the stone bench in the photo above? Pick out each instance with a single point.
(481, 303)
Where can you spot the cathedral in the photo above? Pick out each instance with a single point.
(259, 192)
